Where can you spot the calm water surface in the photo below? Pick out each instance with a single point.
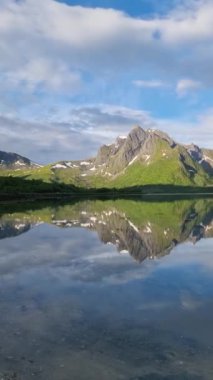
(106, 290)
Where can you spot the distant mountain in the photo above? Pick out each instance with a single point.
(143, 157)
(15, 161)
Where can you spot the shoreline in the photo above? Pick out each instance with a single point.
(4, 198)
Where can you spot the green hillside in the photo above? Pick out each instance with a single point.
(143, 158)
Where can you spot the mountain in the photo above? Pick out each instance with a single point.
(143, 157)
(139, 145)
(15, 161)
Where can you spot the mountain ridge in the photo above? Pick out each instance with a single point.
(143, 157)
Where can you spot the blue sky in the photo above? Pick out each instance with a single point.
(135, 8)
(75, 74)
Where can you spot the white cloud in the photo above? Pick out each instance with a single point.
(149, 83)
(43, 142)
(106, 122)
(80, 132)
(50, 43)
(187, 85)
(42, 72)
(76, 135)
(49, 48)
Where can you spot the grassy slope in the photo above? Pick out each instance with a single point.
(164, 167)
(161, 169)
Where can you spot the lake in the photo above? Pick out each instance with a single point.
(106, 290)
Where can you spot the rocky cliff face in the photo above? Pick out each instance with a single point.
(204, 157)
(143, 146)
(138, 145)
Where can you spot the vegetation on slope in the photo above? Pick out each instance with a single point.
(158, 164)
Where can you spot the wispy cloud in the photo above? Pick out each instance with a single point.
(149, 83)
(184, 86)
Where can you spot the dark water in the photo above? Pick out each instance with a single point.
(106, 290)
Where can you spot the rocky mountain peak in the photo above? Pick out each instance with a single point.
(135, 139)
(139, 143)
(136, 135)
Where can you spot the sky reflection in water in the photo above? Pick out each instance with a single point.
(75, 308)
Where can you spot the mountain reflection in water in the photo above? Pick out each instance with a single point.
(143, 229)
(77, 304)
